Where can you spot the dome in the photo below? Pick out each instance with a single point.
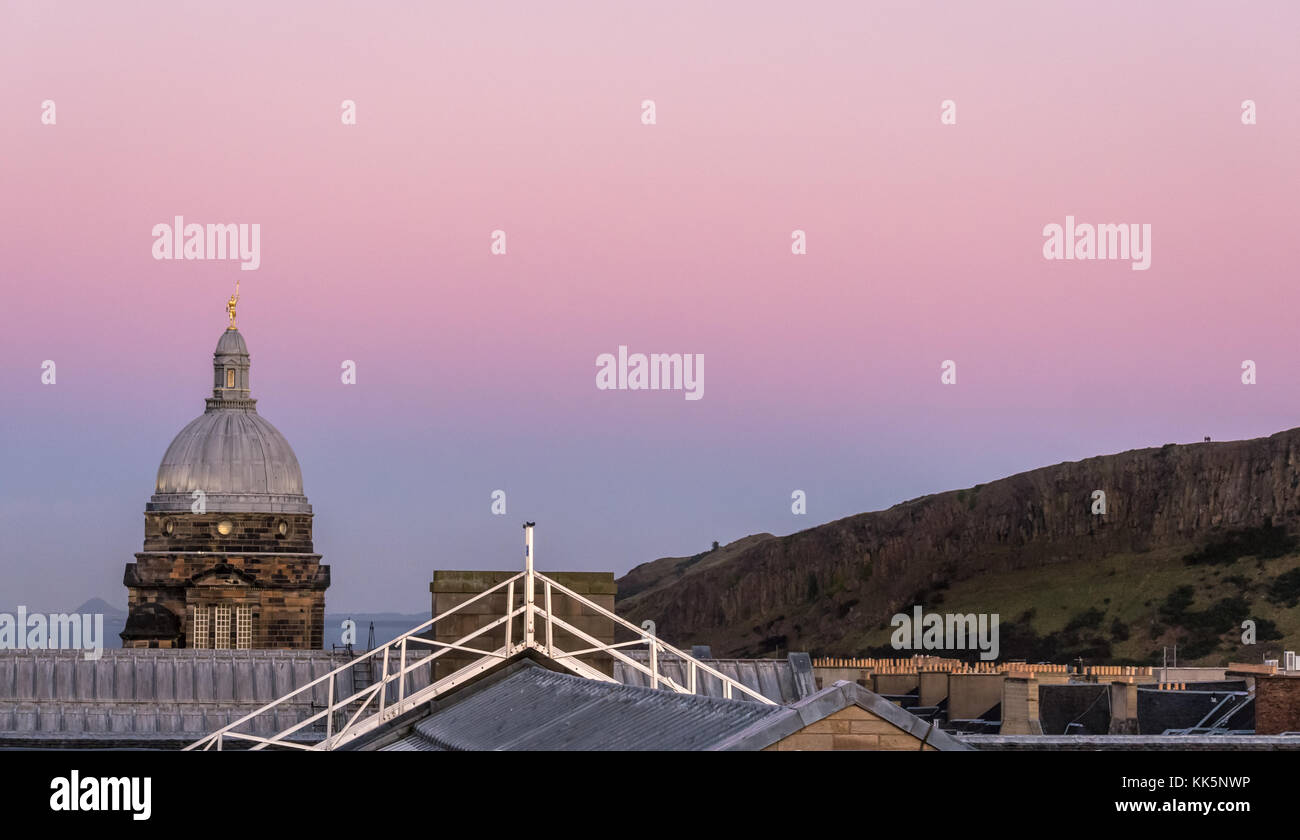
(230, 452)
(237, 458)
(231, 343)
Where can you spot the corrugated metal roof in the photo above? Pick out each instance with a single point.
(532, 708)
(773, 678)
(157, 692)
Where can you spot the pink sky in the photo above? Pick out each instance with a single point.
(476, 372)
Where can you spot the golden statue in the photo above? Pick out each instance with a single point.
(230, 306)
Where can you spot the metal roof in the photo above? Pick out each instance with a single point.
(529, 707)
(524, 695)
(150, 694)
(779, 680)
(230, 451)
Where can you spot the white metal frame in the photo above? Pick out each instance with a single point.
(389, 698)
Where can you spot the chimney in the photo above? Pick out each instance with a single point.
(1020, 704)
(1277, 704)
(451, 588)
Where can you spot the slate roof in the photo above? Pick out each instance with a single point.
(168, 698)
(782, 681)
(526, 706)
(1158, 711)
(529, 707)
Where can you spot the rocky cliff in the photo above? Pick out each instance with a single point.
(813, 589)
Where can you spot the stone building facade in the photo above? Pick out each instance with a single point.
(853, 728)
(451, 588)
(228, 560)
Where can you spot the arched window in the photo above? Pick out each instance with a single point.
(230, 377)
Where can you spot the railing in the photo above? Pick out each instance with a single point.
(393, 695)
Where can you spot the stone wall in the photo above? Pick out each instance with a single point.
(851, 728)
(188, 565)
(451, 588)
(1277, 705)
(249, 532)
(970, 696)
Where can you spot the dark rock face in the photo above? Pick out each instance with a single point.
(796, 591)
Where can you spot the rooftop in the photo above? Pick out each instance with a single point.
(529, 707)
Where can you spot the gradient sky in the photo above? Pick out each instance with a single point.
(476, 372)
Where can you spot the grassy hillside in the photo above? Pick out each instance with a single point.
(1193, 540)
(1125, 608)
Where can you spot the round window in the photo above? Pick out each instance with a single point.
(282, 528)
(168, 527)
(224, 527)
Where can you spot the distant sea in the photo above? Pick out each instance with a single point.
(388, 626)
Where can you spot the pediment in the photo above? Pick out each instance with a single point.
(222, 575)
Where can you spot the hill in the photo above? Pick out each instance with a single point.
(1195, 539)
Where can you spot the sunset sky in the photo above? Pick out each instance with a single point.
(476, 372)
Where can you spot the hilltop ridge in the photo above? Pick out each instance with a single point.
(1015, 546)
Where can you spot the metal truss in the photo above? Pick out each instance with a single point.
(387, 699)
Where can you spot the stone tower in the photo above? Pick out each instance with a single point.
(228, 559)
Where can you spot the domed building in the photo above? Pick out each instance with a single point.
(228, 559)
